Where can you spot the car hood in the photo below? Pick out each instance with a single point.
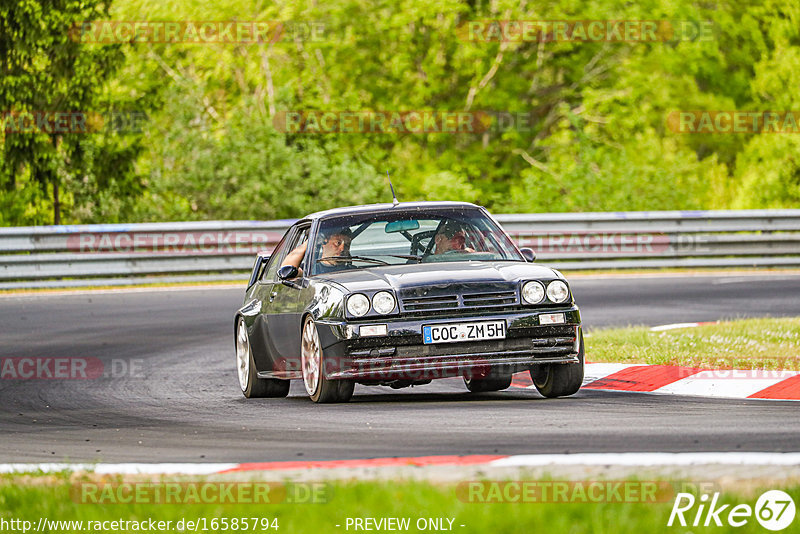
(402, 278)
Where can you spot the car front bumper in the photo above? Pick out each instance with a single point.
(402, 355)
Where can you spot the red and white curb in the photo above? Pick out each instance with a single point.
(645, 459)
(672, 380)
(690, 381)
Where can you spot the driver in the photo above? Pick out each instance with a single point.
(451, 237)
(335, 243)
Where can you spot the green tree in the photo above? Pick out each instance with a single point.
(596, 135)
(47, 69)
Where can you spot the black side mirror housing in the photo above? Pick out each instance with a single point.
(288, 272)
(528, 254)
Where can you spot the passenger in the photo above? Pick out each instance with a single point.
(451, 237)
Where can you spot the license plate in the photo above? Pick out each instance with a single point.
(452, 333)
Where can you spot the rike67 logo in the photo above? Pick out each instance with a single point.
(774, 510)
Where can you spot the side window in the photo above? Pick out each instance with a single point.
(302, 237)
(289, 243)
(275, 260)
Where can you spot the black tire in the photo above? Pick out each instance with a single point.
(249, 383)
(559, 379)
(488, 383)
(319, 388)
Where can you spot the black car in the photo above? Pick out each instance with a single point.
(401, 294)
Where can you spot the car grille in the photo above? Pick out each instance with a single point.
(430, 303)
(485, 300)
(456, 297)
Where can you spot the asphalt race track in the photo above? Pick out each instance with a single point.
(180, 400)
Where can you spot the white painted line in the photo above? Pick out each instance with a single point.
(650, 459)
(746, 279)
(124, 469)
(674, 326)
(715, 275)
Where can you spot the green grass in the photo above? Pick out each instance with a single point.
(741, 344)
(33, 497)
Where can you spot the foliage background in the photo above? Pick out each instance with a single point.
(209, 150)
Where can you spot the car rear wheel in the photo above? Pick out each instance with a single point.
(249, 383)
(559, 379)
(481, 384)
(319, 388)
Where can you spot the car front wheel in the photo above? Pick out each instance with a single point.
(249, 383)
(319, 388)
(559, 379)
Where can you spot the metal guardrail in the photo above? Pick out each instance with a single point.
(118, 254)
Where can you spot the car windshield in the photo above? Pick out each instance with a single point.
(412, 236)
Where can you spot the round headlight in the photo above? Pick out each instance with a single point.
(383, 302)
(533, 292)
(557, 291)
(358, 304)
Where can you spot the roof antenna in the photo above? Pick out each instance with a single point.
(395, 202)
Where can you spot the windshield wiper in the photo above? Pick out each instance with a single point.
(406, 257)
(361, 258)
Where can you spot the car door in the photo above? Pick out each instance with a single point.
(283, 311)
(261, 340)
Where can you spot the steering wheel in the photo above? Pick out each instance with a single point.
(416, 242)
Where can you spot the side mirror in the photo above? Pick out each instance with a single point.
(288, 272)
(528, 254)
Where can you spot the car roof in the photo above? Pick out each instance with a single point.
(401, 206)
